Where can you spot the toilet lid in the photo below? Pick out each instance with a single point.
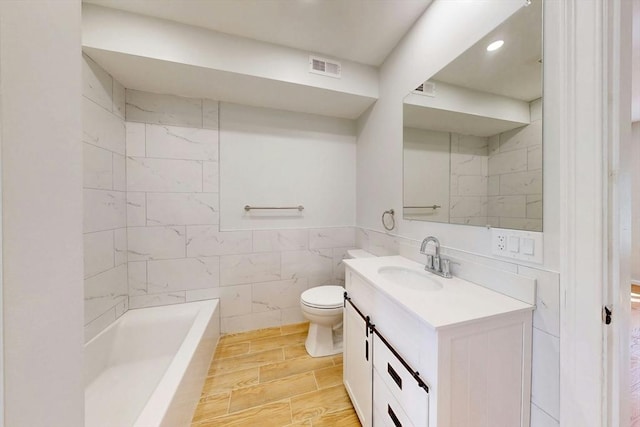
(323, 297)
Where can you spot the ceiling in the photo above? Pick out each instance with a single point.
(513, 70)
(363, 31)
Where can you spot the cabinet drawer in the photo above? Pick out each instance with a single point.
(401, 383)
(388, 412)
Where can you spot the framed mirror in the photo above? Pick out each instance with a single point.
(472, 140)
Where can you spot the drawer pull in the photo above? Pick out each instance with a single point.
(393, 417)
(394, 375)
(366, 349)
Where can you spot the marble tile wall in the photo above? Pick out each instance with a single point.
(545, 399)
(515, 176)
(469, 180)
(176, 250)
(104, 183)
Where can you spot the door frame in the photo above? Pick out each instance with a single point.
(595, 208)
(618, 177)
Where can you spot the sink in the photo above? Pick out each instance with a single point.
(410, 278)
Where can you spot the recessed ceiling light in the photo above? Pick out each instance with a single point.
(495, 45)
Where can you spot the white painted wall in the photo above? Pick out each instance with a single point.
(276, 158)
(40, 106)
(426, 157)
(635, 208)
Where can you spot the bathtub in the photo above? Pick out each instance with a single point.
(147, 368)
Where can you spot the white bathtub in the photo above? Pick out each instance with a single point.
(147, 369)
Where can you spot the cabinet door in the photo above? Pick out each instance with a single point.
(357, 364)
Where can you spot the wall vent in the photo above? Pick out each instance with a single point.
(326, 67)
(427, 88)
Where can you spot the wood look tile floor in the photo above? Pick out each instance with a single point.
(266, 378)
(635, 364)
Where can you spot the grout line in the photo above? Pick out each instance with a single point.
(229, 402)
(104, 189)
(145, 140)
(113, 241)
(146, 213)
(291, 409)
(102, 272)
(156, 157)
(110, 112)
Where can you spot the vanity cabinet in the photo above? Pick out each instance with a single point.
(357, 362)
(465, 374)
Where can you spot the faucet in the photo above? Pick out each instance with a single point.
(435, 264)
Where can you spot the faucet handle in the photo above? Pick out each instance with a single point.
(446, 271)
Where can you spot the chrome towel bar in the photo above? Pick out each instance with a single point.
(423, 207)
(248, 208)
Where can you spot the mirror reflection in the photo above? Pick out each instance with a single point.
(473, 133)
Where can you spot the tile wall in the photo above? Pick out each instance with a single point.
(494, 180)
(177, 252)
(468, 182)
(515, 175)
(545, 398)
(105, 233)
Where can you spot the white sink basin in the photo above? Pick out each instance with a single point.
(409, 278)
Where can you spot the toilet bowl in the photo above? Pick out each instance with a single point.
(322, 306)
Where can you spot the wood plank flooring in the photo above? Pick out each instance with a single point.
(635, 364)
(266, 378)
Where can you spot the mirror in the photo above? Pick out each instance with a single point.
(472, 144)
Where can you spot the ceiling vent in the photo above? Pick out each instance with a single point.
(326, 67)
(427, 88)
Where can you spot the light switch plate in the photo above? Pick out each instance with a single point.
(517, 244)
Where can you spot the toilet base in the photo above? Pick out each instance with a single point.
(323, 341)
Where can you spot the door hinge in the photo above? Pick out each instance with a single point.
(607, 312)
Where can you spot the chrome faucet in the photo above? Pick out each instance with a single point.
(435, 264)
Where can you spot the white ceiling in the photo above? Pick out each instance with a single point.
(364, 31)
(513, 70)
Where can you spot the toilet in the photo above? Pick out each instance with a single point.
(322, 306)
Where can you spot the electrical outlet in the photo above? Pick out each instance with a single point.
(516, 244)
(501, 242)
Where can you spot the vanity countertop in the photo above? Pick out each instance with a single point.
(459, 301)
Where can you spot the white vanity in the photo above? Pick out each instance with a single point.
(420, 350)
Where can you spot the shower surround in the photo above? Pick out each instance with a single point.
(157, 238)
